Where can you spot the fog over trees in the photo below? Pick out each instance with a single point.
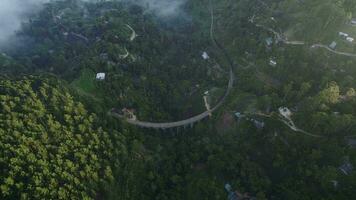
(77, 77)
(15, 12)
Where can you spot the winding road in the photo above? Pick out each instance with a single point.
(332, 50)
(190, 121)
(314, 46)
(279, 36)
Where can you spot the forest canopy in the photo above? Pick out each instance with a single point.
(51, 146)
(273, 79)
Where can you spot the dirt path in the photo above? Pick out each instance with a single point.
(281, 38)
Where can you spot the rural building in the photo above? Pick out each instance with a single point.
(259, 125)
(353, 21)
(239, 115)
(232, 195)
(346, 168)
(350, 39)
(285, 112)
(205, 56)
(129, 114)
(333, 45)
(272, 62)
(269, 41)
(351, 142)
(100, 76)
(343, 34)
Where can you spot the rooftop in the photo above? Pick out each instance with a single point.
(269, 41)
(100, 76)
(205, 55)
(351, 142)
(333, 45)
(285, 112)
(346, 168)
(350, 39)
(272, 62)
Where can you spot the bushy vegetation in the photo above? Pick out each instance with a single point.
(53, 146)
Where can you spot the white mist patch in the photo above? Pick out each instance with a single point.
(163, 8)
(13, 13)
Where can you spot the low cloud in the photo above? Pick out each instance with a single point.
(163, 8)
(13, 13)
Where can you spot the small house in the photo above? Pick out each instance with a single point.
(129, 114)
(333, 45)
(228, 187)
(342, 34)
(346, 168)
(269, 41)
(259, 125)
(272, 62)
(285, 112)
(351, 143)
(239, 115)
(232, 195)
(350, 39)
(100, 76)
(353, 21)
(205, 56)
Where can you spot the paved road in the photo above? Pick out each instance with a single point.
(332, 50)
(197, 118)
(280, 36)
(284, 40)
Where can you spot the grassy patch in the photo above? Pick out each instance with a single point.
(86, 81)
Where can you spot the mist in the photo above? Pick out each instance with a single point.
(162, 8)
(14, 12)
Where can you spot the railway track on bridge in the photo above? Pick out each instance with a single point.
(190, 121)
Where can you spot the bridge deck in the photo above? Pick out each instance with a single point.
(197, 118)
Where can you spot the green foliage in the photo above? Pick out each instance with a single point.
(157, 73)
(331, 94)
(51, 146)
(86, 81)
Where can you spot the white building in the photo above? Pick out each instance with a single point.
(343, 34)
(100, 76)
(272, 62)
(285, 112)
(332, 45)
(346, 168)
(350, 39)
(353, 21)
(205, 55)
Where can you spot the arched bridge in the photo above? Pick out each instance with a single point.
(190, 121)
(183, 123)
